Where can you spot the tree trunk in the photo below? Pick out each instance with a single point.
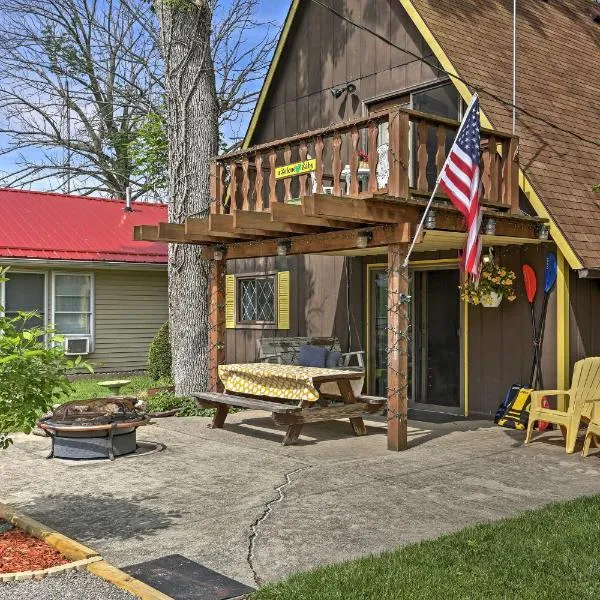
(193, 140)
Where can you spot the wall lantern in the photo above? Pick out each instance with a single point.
(430, 220)
(363, 239)
(337, 92)
(283, 247)
(219, 253)
(489, 226)
(543, 232)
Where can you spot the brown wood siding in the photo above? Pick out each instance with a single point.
(318, 302)
(500, 339)
(323, 52)
(584, 318)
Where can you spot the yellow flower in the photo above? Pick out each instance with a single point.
(476, 301)
(511, 298)
(502, 272)
(507, 282)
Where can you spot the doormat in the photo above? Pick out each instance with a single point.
(184, 579)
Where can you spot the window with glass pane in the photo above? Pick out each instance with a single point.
(256, 299)
(73, 304)
(25, 292)
(442, 101)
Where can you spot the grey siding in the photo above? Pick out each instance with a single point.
(130, 308)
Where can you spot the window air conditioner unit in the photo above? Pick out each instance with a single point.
(77, 346)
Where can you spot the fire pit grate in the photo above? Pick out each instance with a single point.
(96, 428)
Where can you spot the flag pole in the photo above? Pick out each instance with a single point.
(435, 189)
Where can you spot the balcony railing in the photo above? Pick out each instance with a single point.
(396, 153)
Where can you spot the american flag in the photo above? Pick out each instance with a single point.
(461, 180)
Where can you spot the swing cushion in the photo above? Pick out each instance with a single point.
(333, 360)
(312, 356)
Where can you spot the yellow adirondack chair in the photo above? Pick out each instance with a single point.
(585, 388)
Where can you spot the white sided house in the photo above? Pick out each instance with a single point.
(72, 260)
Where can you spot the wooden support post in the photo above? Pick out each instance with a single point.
(216, 323)
(399, 147)
(397, 348)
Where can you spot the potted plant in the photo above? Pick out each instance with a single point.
(496, 282)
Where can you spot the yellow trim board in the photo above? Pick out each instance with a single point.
(287, 26)
(563, 313)
(77, 552)
(466, 94)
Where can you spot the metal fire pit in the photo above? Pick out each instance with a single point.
(97, 428)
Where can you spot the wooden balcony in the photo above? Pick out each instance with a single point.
(361, 186)
(394, 153)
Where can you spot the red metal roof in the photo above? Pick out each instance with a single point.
(61, 227)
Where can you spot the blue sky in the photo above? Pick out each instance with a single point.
(270, 10)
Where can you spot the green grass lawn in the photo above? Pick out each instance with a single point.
(88, 387)
(552, 553)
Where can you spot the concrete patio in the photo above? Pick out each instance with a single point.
(235, 500)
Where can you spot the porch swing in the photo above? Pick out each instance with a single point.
(286, 350)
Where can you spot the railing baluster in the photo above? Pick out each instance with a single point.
(485, 170)
(373, 136)
(398, 155)
(302, 179)
(422, 155)
(319, 158)
(245, 183)
(258, 182)
(494, 176)
(354, 161)
(287, 183)
(510, 174)
(440, 155)
(216, 189)
(232, 186)
(272, 179)
(337, 164)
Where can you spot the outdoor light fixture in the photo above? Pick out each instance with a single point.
(430, 220)
(283, 247)
(542, 231)
(363, 239)
(489, 226)
(337, 92)
(489, 257)
(219, 253)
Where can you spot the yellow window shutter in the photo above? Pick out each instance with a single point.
(283, 300)
(230, 301)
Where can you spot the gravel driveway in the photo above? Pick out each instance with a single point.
(70, 586)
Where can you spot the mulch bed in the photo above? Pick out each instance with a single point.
(20, 551)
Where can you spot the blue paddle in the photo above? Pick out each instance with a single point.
(550, 274)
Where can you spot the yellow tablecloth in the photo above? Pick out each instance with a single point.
(288, 382)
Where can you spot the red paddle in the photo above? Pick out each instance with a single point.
(530, 289)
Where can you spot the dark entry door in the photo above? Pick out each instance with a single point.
(436, 331)
(434, 360)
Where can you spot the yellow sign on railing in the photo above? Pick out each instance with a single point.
(308, 166)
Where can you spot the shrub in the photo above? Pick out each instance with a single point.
(163, 401)
(33, 372)
(159, 355)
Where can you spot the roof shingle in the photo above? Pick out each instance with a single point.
(558, 80)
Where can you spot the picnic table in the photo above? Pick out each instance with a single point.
(293, 394)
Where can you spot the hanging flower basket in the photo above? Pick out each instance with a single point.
(496, 282)
(491, 300)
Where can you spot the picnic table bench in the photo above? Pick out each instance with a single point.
(274, 387)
